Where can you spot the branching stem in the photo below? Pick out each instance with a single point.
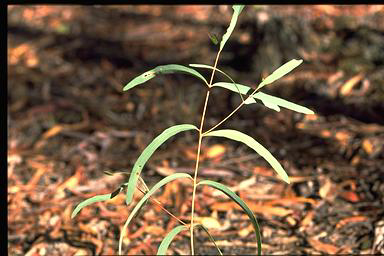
(198, 152)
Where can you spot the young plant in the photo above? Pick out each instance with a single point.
(244, 91)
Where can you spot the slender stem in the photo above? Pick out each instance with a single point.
(163, 208)
(196, 168)
(198, 152)
(228, 116)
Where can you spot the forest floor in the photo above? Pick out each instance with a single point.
(69, 121)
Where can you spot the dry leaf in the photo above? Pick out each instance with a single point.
(349, 196)
(209, 222)
(214, 151)
(323, 247)
(348, 86)
(345, 221)
(257, 208)
(56, 129)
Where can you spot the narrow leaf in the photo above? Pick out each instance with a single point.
(146, 197)
(210, 237)
(282, 103)
(280, 72)
(236, 12)
(163, 247)
(271, 105)
(243, 89)
(94, 199)
(268, 100)
(252, 143)
(241, 203)
(165, 69)
(147, 153)
(220, 71)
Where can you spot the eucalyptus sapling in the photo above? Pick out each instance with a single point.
(248, 96)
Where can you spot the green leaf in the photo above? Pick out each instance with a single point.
(243, 89)
(241, 203)
(94, 199)
(146, 197)
(280, 72)
(213, 38)
(222, 72)
(282, 103)
(268, 100)
(165, 69)
(252, 143)
(236, 12)
(163, 247)
(147, 153)
(210, 237)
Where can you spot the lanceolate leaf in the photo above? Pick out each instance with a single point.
(280, 72)
(147, 153)
(146, 197)
(210, 237)
(252, 143)
(268, 100)
(282, 103)
(94, 199)
(165, 69)
(236, 12)
(230, 86)
(241, 203)
(163, 247)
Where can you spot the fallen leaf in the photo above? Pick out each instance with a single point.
(323, 247)
(214, 151)
(156, 230)
(368, 146)
(56, 129)
(291, 200)
(348, 86)
(41, 170)
(257, 208)
(345, 221)
(246, 231)
(308, 219)
(209, 222)
(71, 182)
(350, 196)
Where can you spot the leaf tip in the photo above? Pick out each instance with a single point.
(310, 112)
(74, 213)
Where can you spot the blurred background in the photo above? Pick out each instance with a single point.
(69, 121)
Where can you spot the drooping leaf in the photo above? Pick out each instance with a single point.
(220, 71)
(236, 12)
(146, 197)
(280, 72)
(163, 247)
(271, 105)
(266, 98)
(210, 237)
(164, 69)
(147, 153)
(243, 89)
(241, 203)
(94, 199)
(252, 143)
